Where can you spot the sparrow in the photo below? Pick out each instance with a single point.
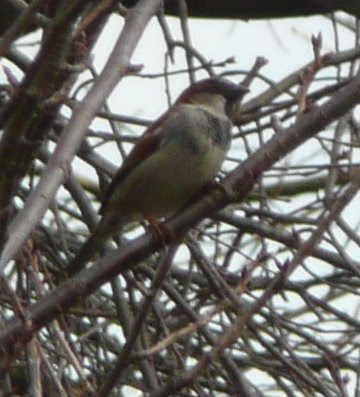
(177, 156)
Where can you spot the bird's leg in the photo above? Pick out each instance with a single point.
(161, 232)
(214, 184)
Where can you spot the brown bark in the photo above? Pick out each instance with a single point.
(259, 9)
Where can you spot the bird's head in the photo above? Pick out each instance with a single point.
(217, 95)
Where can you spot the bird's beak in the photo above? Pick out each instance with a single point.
(236, 93)
(234, 99)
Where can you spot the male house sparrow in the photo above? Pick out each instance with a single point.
(177, 155)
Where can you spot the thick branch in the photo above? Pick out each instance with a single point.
(73, 134)
(257, 9)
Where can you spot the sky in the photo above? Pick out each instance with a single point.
(285, 43)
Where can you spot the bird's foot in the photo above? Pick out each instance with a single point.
(160, 231)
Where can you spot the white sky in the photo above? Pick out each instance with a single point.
(285, 43)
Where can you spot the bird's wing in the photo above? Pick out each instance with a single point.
(144, 147)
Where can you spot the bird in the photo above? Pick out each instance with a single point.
(177, 156)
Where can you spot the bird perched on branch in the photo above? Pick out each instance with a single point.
(180, 153)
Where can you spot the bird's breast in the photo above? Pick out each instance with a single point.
(192, 150)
